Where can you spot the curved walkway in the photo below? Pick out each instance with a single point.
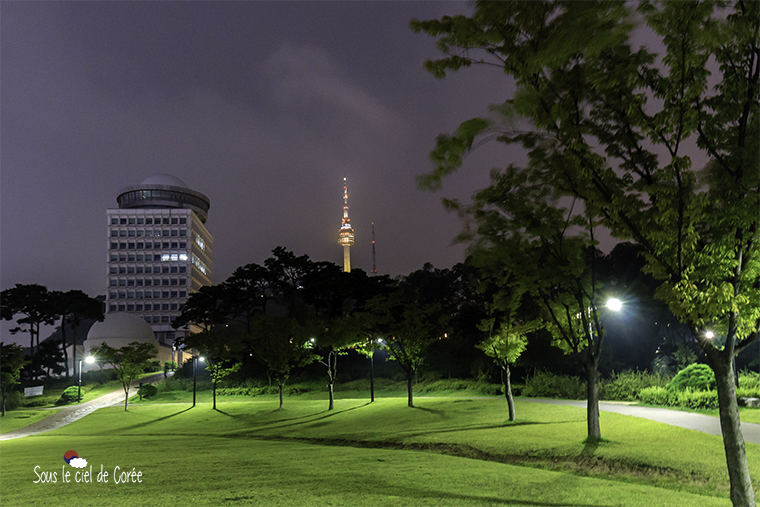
(75, 412)
(688, 420)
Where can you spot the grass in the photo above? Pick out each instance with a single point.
(20, 418)
(444, 452)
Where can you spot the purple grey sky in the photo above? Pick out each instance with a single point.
(262, 106)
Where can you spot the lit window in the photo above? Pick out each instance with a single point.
(175, 257)
(165, 257)
(182, 257)
(200, 242)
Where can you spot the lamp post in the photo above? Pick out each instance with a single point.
(195, 373)
(88, 360)
(372, 370)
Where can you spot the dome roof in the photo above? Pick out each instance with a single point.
(164, 179)
(121, 326)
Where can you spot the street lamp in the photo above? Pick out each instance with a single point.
(195, 375)
(88, 360)
(372, 370)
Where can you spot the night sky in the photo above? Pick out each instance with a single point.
(262, 106)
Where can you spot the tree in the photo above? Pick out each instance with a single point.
(498, 276)
(203, 308)
(73, 307)
(128, 361)
(408, 327)
(49, 357)
(281, 344)
(220, 348)
(619, 127)
(12, 361)
(33, 302)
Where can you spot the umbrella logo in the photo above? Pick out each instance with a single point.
(73, 459)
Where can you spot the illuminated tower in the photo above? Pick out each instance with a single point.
(346, 233)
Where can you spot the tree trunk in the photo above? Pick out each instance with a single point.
(592, 403)
(213, 393)
(409, 379)
(332, 397)
(74, 348)
(126, 396)
(742, 493)
(508, 393)
(280, 395)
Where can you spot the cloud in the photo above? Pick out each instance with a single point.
(78, 462)
(305, 74)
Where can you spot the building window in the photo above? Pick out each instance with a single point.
(123, 234)
(114, 221)
(183, 233)
(130, 283)
(140, 233)
(175, 245)
(148, 319)
(174, 269)
(148, 295)
(174, 306)
(149, 269)
(112, 295)
(175, 232)
(138, 308)
(182, 281)
(139, 269)
(174, 281)
(130, 295)
(165, 307)
(140, 221)
(113, 270)
(139, 246)
(122, 246)
(114, 258)
(147, 307)
(183, 269)
(111, 308)
(174, 293)
(114, 246)
(131, 246)
(122, 295)
(114, 233)
(139, 259)
(122, 270)
(131, 221)
(156, 294)
(123, 221)
(130, 308)
(182, 294)
(165, 281)
(131, 234)
(165, 269)
(166, 244)
(138, 294)
(164, 319)
(121, 308)
(165, 294)
(113, 282)
(148, 221)
(174, 221)
(131, 257)
(148, 282)
(122, 257)
(122, 282)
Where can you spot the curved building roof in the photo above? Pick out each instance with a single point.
(164, 179)
(164, 191)
(118, 330)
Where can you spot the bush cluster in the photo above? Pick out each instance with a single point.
(696, 377)
(627, 385)
(69, 395)
(147, 390)
(548, 385)
(39, 401)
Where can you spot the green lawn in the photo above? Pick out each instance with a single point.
(445, 452)
(22, 417)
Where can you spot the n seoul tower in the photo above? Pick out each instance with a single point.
(346, 233)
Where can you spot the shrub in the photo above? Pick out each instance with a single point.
(14, 400)
(749, 380)
(39, 401)
(627, 385)
(654, 395)
(548, 385)
(696, 399)
(154, 365)
(69, 395)
(170, 365)
(697, 377)
(147, 390)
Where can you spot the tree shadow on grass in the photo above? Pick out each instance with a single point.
(304, 419)
(153, 421)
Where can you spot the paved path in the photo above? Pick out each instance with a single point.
(73, 413)
(688, 420)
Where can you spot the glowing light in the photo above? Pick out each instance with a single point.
(709, 334)
(614, 304)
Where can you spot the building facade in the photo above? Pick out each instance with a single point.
(159, 252)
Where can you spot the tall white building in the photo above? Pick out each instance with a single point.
(159, 251)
